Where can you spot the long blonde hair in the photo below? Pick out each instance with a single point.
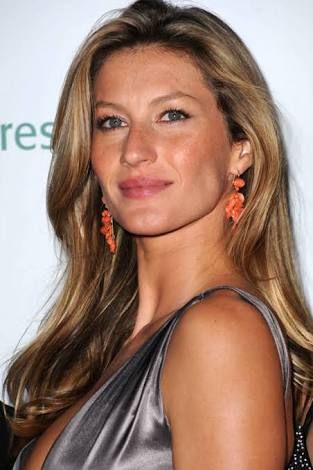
(95, 311)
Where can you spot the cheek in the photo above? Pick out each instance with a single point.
(204, 160)
(100, 162)
(95, 155)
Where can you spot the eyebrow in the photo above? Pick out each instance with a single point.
(157, 100)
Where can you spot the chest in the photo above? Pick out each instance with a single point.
(122, 425)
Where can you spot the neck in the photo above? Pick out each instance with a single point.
(174, 267)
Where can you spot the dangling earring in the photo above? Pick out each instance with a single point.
(235, 205)
(107, 229)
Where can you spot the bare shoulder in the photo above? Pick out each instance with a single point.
(223, 322)
(222, 383)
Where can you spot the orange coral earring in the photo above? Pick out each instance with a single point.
(235, 205)
(107, 229)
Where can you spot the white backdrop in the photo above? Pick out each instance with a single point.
(37, 41)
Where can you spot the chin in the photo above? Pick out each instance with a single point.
(145, 231)
(148, 224)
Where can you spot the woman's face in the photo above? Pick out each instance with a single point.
(160, 149)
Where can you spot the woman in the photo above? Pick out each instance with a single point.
(163, 349)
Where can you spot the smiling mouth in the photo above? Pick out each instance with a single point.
(139, 188)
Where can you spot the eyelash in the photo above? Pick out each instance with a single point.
(177, 110)
(101, 121)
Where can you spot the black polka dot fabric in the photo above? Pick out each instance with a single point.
(300, 458)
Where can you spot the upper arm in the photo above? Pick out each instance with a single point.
(222, 389)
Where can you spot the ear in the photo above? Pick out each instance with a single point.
(241, 157)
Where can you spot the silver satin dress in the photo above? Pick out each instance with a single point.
(123, 425)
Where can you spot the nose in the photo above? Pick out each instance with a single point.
(138, 147)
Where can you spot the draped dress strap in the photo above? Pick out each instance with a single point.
(123, 426)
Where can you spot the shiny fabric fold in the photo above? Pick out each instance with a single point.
(123, 425)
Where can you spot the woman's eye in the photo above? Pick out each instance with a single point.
(174, 115)
(109, 122)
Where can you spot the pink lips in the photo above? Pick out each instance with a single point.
(141, 187)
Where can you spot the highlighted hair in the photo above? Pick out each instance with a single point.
(95, 311)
